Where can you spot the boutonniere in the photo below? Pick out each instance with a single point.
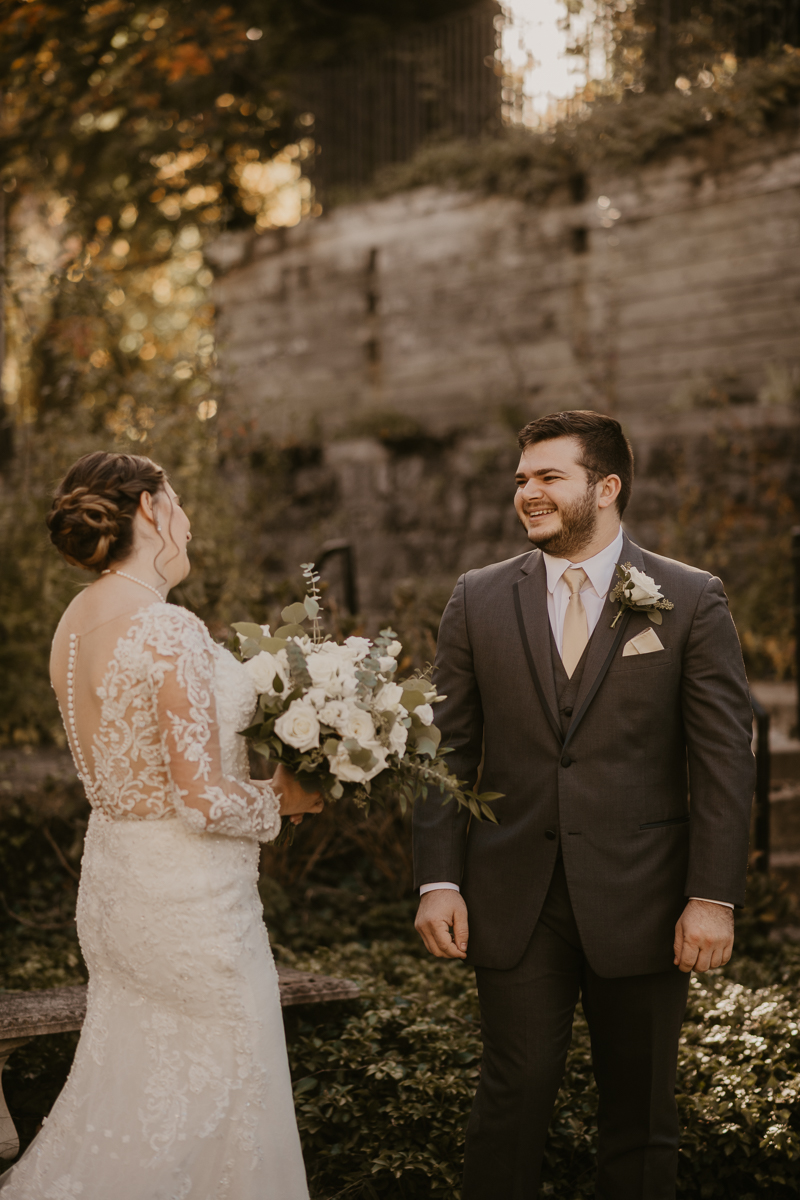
(639, 592)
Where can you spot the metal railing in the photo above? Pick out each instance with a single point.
(761, 832)
(340, 547)
(439, 79)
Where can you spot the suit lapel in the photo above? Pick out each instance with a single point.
(530, 604)
(605, 641)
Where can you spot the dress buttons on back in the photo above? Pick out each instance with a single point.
(550, 834)
(566, 760)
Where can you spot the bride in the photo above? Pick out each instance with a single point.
(180, 1088)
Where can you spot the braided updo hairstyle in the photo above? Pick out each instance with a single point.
(91, 518)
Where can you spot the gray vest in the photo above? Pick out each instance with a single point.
(566, 688)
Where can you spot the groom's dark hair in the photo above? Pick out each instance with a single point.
(605, 449)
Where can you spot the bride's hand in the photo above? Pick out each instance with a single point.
(295, 800)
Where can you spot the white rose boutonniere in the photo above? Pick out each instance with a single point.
(638, 592)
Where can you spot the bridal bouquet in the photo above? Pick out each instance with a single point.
(335, 715)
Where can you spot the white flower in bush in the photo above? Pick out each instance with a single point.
(389, 697)
(645, 590)
(299, 726)
(317, 697)
(386, 664)
(394, 649)
(265, 668)
(425, 713)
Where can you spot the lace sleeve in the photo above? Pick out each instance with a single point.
(183, 682)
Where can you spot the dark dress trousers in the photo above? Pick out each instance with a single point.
(577, 890)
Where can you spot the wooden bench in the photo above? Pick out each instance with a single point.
(26, 1015)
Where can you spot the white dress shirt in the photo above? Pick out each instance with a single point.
(600, 576)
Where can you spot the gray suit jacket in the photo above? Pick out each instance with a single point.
(645, 732)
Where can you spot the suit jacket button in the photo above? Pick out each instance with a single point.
(566, 761)
(550, 835)
(568, 712)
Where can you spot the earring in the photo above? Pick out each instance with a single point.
(158, 526)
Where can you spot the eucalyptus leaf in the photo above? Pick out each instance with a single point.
(426, 746)
(248, 629)
(249, 647)
(337, 791)
(412, 699)
(655, 616)
(359, 756)
(297, 665)
(273, 644)
(311, 607)
(290, 631)
(294, 613)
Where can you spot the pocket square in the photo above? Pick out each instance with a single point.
(646, 642)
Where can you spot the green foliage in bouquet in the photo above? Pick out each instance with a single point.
(333, 714)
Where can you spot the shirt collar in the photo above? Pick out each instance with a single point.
(599, 568)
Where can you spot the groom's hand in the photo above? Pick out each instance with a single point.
(703, 936)
(439, 912)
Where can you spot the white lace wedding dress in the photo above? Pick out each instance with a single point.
(180, 1088)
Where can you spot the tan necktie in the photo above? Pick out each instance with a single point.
(576, 626)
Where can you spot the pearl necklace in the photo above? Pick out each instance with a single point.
(133, 579)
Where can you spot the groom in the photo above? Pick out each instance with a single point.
(602, 879)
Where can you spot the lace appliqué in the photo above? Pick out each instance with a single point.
(154, 750)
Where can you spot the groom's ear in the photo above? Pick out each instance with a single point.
(610, 488)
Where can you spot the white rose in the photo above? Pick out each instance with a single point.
(322, 667)
(359, 724)
(346, 686)
(645, 590)
(264, 668)
(425, 713)
(394, 649)
(343, 768)
(398, 738)
(387, 664)
(299, 726)
(316, 696)
(389, 697)
(335, 714)
(359, 647)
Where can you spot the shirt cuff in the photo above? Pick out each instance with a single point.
(432, 887)
(724, 903)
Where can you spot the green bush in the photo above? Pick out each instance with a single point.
(384, 1084)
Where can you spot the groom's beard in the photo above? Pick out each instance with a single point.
(578, 524)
